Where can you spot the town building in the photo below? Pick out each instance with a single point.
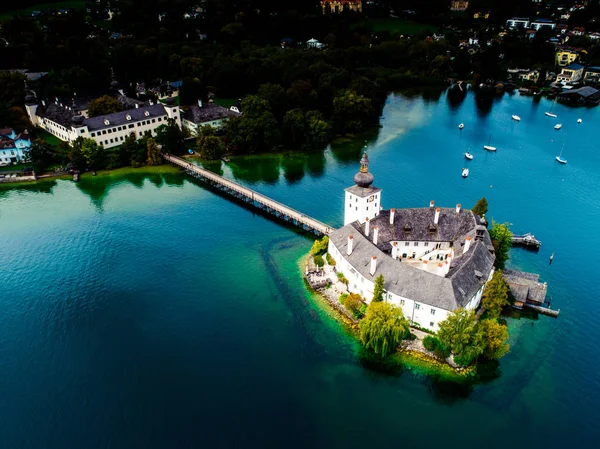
(592, 75)
(543, 23)
(206, 114)
(583, 96)
(530, 75)
(570, 74)
(13, 147)
(110, 130)
(459, 5)
(433, 260)
(517, 22)
(566, 55)
(337, 6)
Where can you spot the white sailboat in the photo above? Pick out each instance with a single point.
(549, 113)
(488, 147)
(579, 120)
(516, 118)
(558, 126)
(468, 156)
(465, 172)
(559, 157)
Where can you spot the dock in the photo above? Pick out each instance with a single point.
(252, 197)
(528, 240)
(529, 292)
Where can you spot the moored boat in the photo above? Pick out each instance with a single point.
(488, 147)
(465, 172)
(579, 120)
(558, 126)
(468, 156)
(461, 126)
(516, 118)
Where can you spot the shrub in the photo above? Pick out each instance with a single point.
(320, 246)
(319, 262)
(353, 303)
(342, 278)
(430, 342)
(330, 260)
(343, 297)
(363, 309)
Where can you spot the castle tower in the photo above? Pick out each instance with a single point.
(362, 199)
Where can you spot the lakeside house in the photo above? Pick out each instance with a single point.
(13, 146)
(583, 96)
(110, 130)
(592, 75)
(433, 260)
(543, 23)
(459, 5)
(517, 22)
(570, 74)
(566, 55)
(204, 114)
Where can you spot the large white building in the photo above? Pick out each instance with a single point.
(108, 130)
(433, 260)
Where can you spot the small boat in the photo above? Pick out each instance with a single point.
(468, 155)
(190, 151)
(579, 120)
(516, 118)
(461, 126)
(559, 158)
(557, 126)
(465, 172)
(549, 114)
(488, 147)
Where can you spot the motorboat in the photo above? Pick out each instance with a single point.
(557, 126)
(579, 120)
(550, 114)
(461, 126)
(468, 156)
(516, 118)
(559, 158)
(465, 172)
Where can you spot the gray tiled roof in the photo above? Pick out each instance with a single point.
(57, 113)
(207, 113)
(468, 273)
(417, 225)
(525, 286)
(120, 118)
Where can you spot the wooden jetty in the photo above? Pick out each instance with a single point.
(251, 197)
(527, 240)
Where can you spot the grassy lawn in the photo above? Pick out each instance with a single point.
(399, 26)
(17, 167)
(225, 102)
(51, 140)
(75, 4)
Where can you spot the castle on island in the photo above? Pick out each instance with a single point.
(433, 259)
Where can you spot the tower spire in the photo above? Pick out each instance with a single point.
(363, 178)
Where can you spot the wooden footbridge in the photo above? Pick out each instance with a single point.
(251, 197)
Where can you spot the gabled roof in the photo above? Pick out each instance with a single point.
(207, 113)
(574, 67)
(120, 118)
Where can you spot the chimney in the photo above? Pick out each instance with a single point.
(373, 265)
(437, 216)
(350, 241)
(375, 234)
(395, 250)
(467, 245)
(367, 226)
(137, 106)
(431, 203)
(458, 209)
(151, 103)
(392, 213)
(199, 103)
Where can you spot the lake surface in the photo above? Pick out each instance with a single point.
(139, 309)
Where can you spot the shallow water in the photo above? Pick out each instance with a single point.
(142, 310)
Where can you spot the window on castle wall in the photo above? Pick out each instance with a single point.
(416, 243)
(431, 324)
(356, 208)
(417, 306)
(433, 311)
(406, 243)
(402, 302)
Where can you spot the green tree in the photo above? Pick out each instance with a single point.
(495, 296)
(128, 150)
(208, 144)
(320, 246)
(256, 129)
(378, 289)
(352, 112)
(92, 153)
(481, 207)
(502, 240)
(171, 137)
(353, 303)
(104, 105)
(76, 156)
(383, 328)
(460, 334)
(153, 152)
(305, 130)
(495, 339)
(40, 155)
(275, 95)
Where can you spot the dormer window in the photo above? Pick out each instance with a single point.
(128, 117)
(147, 114)
(106, 122)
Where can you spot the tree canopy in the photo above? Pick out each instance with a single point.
(383, 328)
(353, 303)
(460, 334)
(104, 105)
(502, 240)
(496, 339)
(481, 207)
(378, 289)
(495, 297)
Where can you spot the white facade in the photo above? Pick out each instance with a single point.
(194, 127)
(542, 24)
(359, 207)
(13, 156)
(517, 22)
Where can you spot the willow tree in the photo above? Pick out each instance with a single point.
(383, 328)
(461, 334)
(481, 207)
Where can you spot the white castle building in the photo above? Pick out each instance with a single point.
(108, 130)
(433, 260)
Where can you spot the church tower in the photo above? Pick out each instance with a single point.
(362, 199)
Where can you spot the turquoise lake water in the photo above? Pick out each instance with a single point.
(142, 310)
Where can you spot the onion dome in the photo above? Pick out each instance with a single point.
(363, 178)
